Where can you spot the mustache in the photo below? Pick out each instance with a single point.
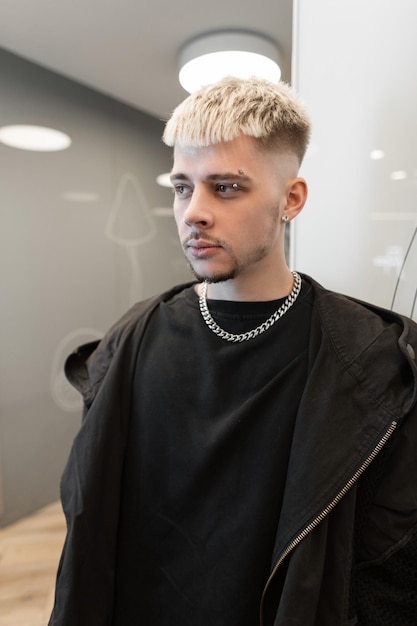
(196, 235)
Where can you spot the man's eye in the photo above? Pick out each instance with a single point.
(226, 188)
(180, 190)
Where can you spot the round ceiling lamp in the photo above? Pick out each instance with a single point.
(37, 138)
(164, 180)
(209, 58)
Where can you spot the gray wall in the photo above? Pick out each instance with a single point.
(82, 237)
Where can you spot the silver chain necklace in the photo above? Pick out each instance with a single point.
(259, 329)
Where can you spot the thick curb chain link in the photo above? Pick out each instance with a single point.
(251, 334)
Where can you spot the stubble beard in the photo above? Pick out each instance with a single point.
(217, 278)
(238, 266)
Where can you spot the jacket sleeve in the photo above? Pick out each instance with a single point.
(92, 478)
(90, 494)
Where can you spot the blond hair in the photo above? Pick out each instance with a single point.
(270, 112)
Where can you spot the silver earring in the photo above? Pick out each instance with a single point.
(284, 218)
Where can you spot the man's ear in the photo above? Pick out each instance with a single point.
(296, 197)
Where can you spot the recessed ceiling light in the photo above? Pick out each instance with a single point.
(399, 175)
(163, 212)
(164, 180)
(37, 138)
(209, 58)
(376, 155)
(80, 196)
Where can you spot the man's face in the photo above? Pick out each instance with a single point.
(229, 199)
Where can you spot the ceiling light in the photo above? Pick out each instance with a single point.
(164, 180)
(80, 196)
(376, 155)
(163, 212)
(38, 138)
(209, 58)
(398, 175)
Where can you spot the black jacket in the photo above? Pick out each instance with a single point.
(346, 545)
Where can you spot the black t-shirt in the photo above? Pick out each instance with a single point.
(210, 435)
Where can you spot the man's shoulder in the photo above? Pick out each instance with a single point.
(375, 345)
(86, 367)
(332, 304)
(140, 310)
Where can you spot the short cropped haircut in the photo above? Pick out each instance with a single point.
(272, 113)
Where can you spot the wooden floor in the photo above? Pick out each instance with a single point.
(29, 555)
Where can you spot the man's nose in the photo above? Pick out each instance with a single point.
(198, 211)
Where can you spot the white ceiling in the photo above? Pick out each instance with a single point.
(128, 49)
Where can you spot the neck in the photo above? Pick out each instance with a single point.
(244, 290)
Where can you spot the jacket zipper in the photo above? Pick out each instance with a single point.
(320, 517)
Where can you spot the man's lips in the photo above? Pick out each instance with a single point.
(201, 248)
(200, 243)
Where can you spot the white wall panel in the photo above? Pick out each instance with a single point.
(355, 66)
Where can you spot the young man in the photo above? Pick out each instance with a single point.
(248, 449)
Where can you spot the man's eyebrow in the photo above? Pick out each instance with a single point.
(178, 176)
(225, 176)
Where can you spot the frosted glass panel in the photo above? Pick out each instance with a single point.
(355, 67)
